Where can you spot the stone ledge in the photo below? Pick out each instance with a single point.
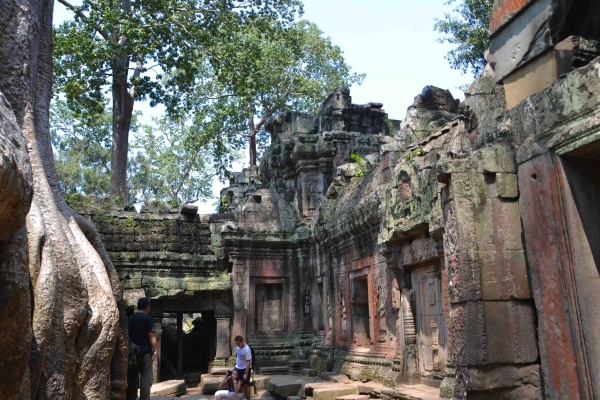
(169, 388)
(328, 390)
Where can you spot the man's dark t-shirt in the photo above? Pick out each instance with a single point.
(140, 324)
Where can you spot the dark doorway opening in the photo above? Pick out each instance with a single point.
(199, 337)
(360, 311)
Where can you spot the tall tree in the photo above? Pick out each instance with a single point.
(129, 45)
(468, 28)
(289, 69)
(63, 320)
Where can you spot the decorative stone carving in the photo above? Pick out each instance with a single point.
(329, 319)
(344, 335)
(307, 300)
(410, 336)
(383, 328)
(435, 346)
(396, 298)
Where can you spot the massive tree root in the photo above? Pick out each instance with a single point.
(62, 316)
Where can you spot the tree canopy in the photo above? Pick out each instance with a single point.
(173, 159)
(468, 28)
(293, 70)
(177, 159)
(221, 68)
(130, 49)
(82, 144)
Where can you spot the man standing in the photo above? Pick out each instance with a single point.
(143, 335)
(243, 362)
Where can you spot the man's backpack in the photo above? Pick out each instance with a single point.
(134, 352)
(253, 354)
(134, 348)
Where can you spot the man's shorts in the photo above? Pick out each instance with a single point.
(241, 373)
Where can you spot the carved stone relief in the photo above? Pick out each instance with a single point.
(383, 328)
(429, 320)
(307, 298)
(410, 336)
(344, 314)
(329, 319)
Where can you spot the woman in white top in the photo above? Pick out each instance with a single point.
(231, 387)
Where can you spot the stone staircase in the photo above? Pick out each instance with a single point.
(272, 352)
(295, 367)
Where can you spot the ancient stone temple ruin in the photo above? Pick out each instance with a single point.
(458, 248)
(455, 248)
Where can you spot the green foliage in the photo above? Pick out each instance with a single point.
(82, 142)
(221, 68)
(362, 165)
(357, 159)
(291, 68)
(177, 159)
(467, 28)
(223, 203)
(154, 49)
(415, 153)
(173, 160)
(146, 41)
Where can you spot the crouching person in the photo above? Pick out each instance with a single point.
(230, 387)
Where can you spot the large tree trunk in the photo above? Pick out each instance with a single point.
(252, 141)
(252, 151)
(61, 311)
(122, 113)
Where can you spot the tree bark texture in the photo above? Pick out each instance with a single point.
(252, 142)
(252, 149)
(62, 317)
(122, 113)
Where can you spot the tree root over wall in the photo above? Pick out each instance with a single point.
(62, 316)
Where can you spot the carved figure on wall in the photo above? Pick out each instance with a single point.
(260, 311)
(397, 307)
(344, 316)
(396, 297)
(383, 328)
(307, 300)
(410, 336)
(330, 318)
(435, 346)
(310, 194)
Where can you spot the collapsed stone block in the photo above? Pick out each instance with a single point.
(328, 391)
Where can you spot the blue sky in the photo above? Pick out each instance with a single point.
(392, 41)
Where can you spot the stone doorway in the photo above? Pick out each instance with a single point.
(268, 305)
(361, 321)
(198, 343)
(429, 321)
